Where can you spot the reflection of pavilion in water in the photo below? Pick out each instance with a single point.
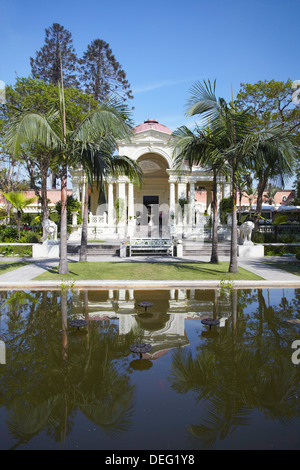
(163, 324)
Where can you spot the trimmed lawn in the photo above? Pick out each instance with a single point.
(6, 266)
(90, 271)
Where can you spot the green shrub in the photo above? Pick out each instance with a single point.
(267, 237)
(72, 205)
(18, 250)
(7, 250)
(258, 237)
(8, 234)
(280, 219)
(280, 250)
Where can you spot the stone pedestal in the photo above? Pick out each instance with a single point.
(123, 250)
(46, 250)
(179, 249)
(251, 251)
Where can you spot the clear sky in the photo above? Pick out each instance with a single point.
(164, 46)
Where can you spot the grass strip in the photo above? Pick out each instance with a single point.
(6, 266)
(160, 271)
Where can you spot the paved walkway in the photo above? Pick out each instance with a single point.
(24, 276)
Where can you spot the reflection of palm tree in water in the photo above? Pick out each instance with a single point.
(231, 373)
(88, 376)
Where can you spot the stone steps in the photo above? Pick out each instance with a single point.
(204, 249)
(190, 248)
(96, 249)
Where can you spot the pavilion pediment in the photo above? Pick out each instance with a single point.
(150, 137)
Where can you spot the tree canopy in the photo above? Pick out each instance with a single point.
(58, 47)
(98, 72)
(101, 73)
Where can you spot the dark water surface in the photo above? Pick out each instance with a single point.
(236, 386)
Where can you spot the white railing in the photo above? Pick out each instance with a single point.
(97, 219)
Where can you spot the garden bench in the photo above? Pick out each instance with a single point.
(151, 246)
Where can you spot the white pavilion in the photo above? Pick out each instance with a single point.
(165, 204)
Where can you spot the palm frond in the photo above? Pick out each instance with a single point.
(202, 99)
(108, 118)
(26, 128)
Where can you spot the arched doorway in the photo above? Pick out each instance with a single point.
(152, 199)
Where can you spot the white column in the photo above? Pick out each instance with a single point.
(172, 198)
(131, 221)
(110, 208)
(219, 197)
(181, 191)
(130, 201)
(208, 199)
(122, 196)
(192, 205)
(172, 209)
(227, 190)
(122, 208)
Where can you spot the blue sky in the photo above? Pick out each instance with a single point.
(164, 46)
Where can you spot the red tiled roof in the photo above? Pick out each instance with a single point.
(52, 194)
(152, 124)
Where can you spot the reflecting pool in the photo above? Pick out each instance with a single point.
(235, 385)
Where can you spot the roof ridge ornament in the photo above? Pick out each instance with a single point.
(151, 121)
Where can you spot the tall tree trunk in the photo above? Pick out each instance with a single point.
(45, 208)
(262, 183)
(43, 199)
(214, 247)
(19, 215)
(240, 211)
(84, 233)
(233, 265)
(63, 262)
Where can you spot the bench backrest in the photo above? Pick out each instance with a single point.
(151, 242)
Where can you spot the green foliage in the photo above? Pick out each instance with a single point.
(120, 209)
(269, 102)
(280, 250)
(182, 202)
(19, 200)
(16, 250)
(225, 208)
(36, 95)
(280, 219)
(72, 205)
(8, 234)
(101, 74)
(58, 47)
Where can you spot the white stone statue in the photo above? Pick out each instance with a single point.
(245, 233)
(50, 231)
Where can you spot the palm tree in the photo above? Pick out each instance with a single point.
(53, 131)
(100, 164)
(250, 193)
(274, 158)
(19, 201)
(271, 194)
(241, 146)
(201, 148)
